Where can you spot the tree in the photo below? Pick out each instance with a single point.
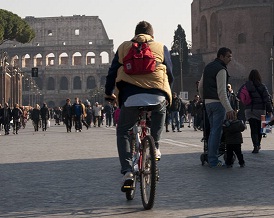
(179, 53)
(12, 27)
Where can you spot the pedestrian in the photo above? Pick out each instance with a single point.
(6, 117)
(84, 115)
(182, 114)
(67, 114)
(190, 115)
(213, 89)
(89, 114)
(175, 112)
(36, 117)
(135, 90)
(16, 116)
(77, 113)
(260, 105)
(97, 114)
(108, 110)
(44, 111)
(233, 140)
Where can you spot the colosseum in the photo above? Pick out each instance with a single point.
(244, 26)
(72, 55)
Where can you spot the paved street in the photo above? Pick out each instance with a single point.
(59, 174)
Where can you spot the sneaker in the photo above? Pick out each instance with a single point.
(167, 130)
(229, 166)
(218, 165)
(179, 130)
(242, 165)
(127, 183)
(158, 154)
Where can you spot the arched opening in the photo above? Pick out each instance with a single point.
(77, 83)
(50, 59)
(37, 60)
(50, 84)
(90, 58)
(91, 82)
(104, 57)
(203, 33)
(63, 59)
(76, 59)
(213, 31)
(26, 61)
(64, 83)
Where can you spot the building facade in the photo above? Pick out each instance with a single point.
(244, 26)
(72, 55)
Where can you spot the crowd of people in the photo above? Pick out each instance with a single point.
(75, 114)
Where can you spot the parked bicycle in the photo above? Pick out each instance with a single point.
(144, 162)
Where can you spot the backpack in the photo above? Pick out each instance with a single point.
(139, 59)
(244, 96)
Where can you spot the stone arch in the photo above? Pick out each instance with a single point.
(104, 57)
(77, 59)
(77, 84)
(50, 84)
(64, 83)
(63, 59)
(90, 58)
(50, 59)
(38, 60)
(91, 83)
(26, 61)
(203, 33)
(15, 61)
(213, 31)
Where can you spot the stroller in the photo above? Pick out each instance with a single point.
(206, 131)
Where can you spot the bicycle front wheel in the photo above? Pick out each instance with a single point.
(148, 172)
(131, 192)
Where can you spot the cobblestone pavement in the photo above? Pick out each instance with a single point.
(59, 174)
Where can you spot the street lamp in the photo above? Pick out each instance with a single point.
(177, 50)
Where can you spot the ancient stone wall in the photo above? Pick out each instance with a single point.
(72, 55)
(244, 26)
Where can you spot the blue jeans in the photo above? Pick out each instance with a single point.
(175, 117)
(216, 115)
(127, 119)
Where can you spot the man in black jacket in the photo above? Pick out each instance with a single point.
(213, 89)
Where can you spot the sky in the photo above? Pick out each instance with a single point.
(119, 17)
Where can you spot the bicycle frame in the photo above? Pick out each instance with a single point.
(139, 132)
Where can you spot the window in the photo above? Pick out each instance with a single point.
(77, 32)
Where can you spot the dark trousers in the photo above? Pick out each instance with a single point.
(256, 135)
(234, 148)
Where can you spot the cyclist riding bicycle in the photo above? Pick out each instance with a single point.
(133, 91)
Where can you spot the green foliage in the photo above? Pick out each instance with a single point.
(12, 27)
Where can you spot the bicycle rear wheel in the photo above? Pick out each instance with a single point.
(148, 172)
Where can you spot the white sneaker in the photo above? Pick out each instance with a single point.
(128, 180)
(158, 154)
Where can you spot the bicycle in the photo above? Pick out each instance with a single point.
(144, 164)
